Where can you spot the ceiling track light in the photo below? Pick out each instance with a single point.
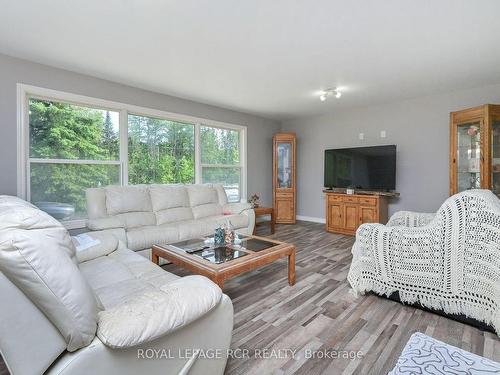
(326, 93)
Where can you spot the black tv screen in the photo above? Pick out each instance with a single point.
(367, 168)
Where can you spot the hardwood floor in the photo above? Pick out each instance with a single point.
(320, 315)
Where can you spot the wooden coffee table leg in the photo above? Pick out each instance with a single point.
(154, 257)
(273, 222)
(219, 281)
(291, 268)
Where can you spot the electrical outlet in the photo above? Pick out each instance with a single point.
(383, 134)
(361, 136)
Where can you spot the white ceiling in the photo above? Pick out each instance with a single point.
(268, 57)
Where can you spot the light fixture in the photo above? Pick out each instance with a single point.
(326, 93)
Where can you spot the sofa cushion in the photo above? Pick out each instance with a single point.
(168, 196)
(204, 210)
(37, 255)
(172, 215)
(221, 194)
(202, 194)
(195, 229)
(117, 277)
(157, 312)
(145, 237)
(121, 199)
(136, 219)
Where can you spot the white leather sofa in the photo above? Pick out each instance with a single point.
(156, 214)
(100, 308)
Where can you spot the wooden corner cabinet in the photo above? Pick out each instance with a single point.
(284, 177)
(345, 213)
(475, 149)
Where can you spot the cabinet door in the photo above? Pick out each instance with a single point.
(466, 156)
(495, 156)
(284, 209)
(335, 213)
(367, 215)
(284, 165)
(351, 220)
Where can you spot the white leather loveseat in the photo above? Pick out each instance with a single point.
(100, 308)
(156, 214)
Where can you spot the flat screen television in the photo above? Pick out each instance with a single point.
(366, 168)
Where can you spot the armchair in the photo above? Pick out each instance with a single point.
(449, 261)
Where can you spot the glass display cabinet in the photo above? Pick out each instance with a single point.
(475, 149)
(284, 177)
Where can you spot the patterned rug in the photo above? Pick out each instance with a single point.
(424, 355)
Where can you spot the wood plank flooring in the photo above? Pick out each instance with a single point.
(319, 314)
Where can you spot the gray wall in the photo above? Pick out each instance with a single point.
(13, 71)
(420, 129)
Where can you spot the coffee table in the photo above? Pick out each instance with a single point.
(222, 263)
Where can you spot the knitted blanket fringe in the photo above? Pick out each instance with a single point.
(478, 313)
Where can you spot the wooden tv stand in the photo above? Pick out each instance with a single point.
(346, 212)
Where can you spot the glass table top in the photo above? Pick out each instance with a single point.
(204, 248)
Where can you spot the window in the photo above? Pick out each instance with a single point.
(68, 143)
(160, 151)
(71, 148)
(220, 159)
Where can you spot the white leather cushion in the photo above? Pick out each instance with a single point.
(195, 229)
(117, 277)
(136, 219)
(154, 313)
(211, 209)
(145, 237)
(92, 245)
(173, 215)
(168, 196)
(202, 194)
(37, 255)
(221, 193)
(121, 199)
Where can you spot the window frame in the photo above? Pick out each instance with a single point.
(25, 92)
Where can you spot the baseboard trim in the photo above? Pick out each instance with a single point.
(311, 219)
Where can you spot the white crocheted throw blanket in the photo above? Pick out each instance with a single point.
(449, 261)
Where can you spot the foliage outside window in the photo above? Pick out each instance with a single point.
(71, 147)
(160, 151)
(220, 159)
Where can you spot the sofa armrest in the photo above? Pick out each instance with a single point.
(91, 245)
(157, 312)
(410, 219)
(241, 209)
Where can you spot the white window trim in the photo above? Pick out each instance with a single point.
(24, 91)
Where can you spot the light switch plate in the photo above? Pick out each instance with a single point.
(361, 136)
(383, 134)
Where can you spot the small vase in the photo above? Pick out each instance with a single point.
(219, 237)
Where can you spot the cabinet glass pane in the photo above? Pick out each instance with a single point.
(284, 165)
(468, 156)
(495, 156)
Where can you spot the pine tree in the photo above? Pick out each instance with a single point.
(109, 138)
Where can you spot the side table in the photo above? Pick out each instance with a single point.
(264, 211)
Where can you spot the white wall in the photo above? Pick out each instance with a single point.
(420, 129)
(13, 71)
